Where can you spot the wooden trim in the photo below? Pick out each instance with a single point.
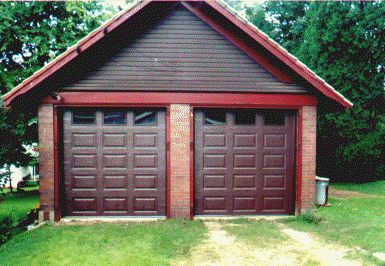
(168, 163)
(191, 163)
(56, 164)
(298, 183)
(121, 99)
(239, 43)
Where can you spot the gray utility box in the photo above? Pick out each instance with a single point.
(321, 190)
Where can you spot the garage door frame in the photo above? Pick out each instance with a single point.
(290, 115)
(100, 128)
(58, 110)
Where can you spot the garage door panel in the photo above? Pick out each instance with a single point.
(84, 140)
(245, 140)
(214, 181)
(84, 182)
(214, 204)
(247, 162)
(114, 140)
(274, 141)
(274, 181)
(274, 161)
(145, 204)
(115, 160)
(115, 182)
(81, 205)
(145, 181)
(145, 161)
(244, 181)
(214, 140)
(276, 203)
(148, 140)
(84, 161)
(115, 205)
(214, 161)
(246, 204)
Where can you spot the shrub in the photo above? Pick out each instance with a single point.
(32, 184)
(6, 223)
(31, 218)
(33, 215)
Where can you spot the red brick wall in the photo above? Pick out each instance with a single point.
(46, 162)
(180, 161)
(309, 116)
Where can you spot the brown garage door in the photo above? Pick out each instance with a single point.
(114, 162)
(244, 162)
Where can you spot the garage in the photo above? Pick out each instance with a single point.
(244, 161)
(114, 162)
(176, 109)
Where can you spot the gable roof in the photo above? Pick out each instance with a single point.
(195, 7)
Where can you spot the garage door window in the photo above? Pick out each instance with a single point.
(145, 118)
(245, 117)
(215, 117)
(274, 119)
(114, 118)
(83, 117)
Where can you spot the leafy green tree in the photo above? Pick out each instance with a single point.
(282, 21)
(343, 42)
(31, 35)
(13, 125)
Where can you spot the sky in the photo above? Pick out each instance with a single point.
(124, 5)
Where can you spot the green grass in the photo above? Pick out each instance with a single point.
(261, 232)
(374, 188)
(18, 204)
(353, 222)
(151, 243)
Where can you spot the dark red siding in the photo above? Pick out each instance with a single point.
(181, 52)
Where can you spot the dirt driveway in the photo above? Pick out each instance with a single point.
(301, 248)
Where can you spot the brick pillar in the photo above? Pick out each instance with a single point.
(46, 162)
(309, 117)
(180, 161)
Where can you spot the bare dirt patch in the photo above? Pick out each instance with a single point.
(343, 194)
(300, 248)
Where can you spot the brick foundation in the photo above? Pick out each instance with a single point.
(180, 161)
(46, 162)
(309, 126)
